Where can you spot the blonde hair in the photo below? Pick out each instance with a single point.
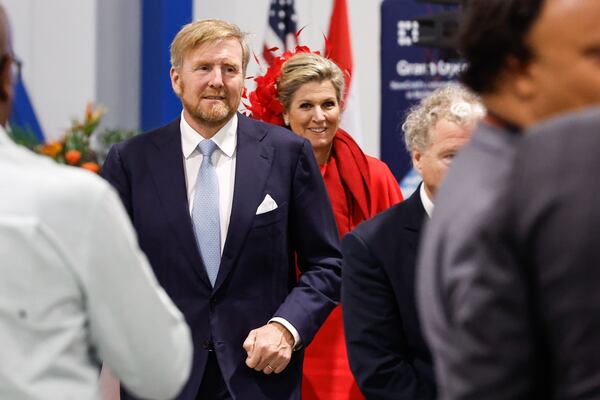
(452, 102)
(204, 31)
(302, 68)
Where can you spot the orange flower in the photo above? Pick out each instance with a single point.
(91, 166)
(93, 115)
(51, 149)
(89, 111)
(73, 157)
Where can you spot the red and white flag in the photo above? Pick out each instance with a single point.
(339, 49)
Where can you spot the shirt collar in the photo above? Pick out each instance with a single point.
(225, 138)
(425, 200)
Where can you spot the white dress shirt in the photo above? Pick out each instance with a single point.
(425, 200)
(76, 289)
(224, 160)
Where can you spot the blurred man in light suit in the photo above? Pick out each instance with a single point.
(387, 352)
(226, 207)
(529, 60)
(75, 288)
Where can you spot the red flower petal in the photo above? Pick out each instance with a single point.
(263, 102)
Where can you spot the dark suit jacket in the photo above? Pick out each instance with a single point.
(509, 284)
(387, 353)
(470, 333)
(553, 235)
(257, 278)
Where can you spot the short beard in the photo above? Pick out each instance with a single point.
(217, 114)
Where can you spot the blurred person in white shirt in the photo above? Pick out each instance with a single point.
(75, 288)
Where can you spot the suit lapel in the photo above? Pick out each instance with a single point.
(166, 167)
(414, 218)
(253, 163)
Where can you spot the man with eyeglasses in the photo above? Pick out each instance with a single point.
(75, 288)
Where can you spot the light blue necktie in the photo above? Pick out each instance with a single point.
(205, 212)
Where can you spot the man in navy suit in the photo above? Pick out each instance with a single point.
(388, 355)
(226, 207)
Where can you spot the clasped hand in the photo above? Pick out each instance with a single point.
(269, 348)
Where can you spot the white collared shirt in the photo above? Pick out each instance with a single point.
(74, 284)
(223, 160)
(425, 200)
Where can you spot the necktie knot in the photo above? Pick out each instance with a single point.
(207, 147)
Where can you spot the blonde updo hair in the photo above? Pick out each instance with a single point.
(452, 102)
(204, 31)
(302, 68)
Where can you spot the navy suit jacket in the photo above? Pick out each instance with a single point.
(387, 353)
(257, 278)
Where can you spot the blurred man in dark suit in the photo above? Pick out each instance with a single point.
(388, 355)
(529, 60)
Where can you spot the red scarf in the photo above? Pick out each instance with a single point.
(347, 178)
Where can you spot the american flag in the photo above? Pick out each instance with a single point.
(281, 32)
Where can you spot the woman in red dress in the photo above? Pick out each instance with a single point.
(303, 91)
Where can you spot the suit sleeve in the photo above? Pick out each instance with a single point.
(314, 238)
(373, 328)
(114, 172)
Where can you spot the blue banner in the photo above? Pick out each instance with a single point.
(161, 20)
(408, 74)
(23, 115)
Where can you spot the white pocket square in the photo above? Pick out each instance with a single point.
(268, 204)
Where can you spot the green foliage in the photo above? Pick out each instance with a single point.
(81, 145)
(114, 136)
(24, 136)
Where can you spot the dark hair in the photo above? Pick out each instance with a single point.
(490, 32)
(5, 45)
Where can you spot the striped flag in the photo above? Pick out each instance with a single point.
(339, 49)
(281, 32)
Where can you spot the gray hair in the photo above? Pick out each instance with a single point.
(452, 102)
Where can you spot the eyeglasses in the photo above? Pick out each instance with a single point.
(15, 65)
